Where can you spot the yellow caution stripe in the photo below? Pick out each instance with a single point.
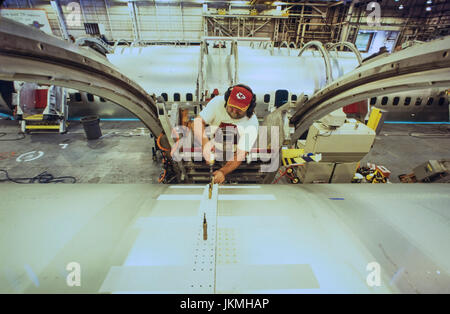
(34, 117)
(294, 157)
(34, 127)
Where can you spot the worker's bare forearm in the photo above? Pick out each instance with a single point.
(199, 131)
(230, 166)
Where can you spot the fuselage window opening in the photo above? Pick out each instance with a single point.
(77, 96)
(164, 95)
(441, 101)
(384, 100)
(176, 97)
(281, 97)
(90, 97)
(430, 101)
(266, 98)
(396, 101)
(407, 101)
(189, 97)
(294, 98)
(373, 100)
(418, 101)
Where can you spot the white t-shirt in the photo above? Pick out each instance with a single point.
(215, 114)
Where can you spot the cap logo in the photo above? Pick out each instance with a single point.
(240, 96)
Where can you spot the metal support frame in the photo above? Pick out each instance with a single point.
(201, 77)
(235, 53)
(415, 68)
(345, 27)
(95, 11)
(56, 107)
(236, 25)
(275, 32)
(109, 19)
(325, 56)
(60, 16)
(285, 43)
(82, 11)
(132, 6)
(349, 45)
(118, 42)
(182, 18)
(299, 25)
(29, 55)
(258, 28)
(204, 53)
(84, 41)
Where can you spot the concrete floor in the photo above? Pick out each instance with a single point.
(118, 157)
(402, 147)
(124, 153)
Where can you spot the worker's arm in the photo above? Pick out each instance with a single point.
(200, 137)
(230, 166)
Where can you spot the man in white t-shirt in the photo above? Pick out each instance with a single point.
(235, 109)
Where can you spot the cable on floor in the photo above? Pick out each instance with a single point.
(43, 177)
(11, 139)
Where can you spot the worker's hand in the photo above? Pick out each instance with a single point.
(207, 156)
(208, 149)
(219, 177)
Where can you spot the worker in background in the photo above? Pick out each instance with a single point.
(235, 110)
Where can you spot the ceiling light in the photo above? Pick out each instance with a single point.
(429, 2)
(400, 7)
(428, 9)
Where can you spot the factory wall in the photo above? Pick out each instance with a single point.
(176, 20)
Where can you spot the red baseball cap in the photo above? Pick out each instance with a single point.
(240, 98)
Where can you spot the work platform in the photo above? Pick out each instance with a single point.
(261, 238)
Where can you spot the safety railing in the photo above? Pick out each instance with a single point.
(349, 45)
(118, 42)
(201, 76)
(326, 58)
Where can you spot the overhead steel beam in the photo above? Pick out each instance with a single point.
(422, 66)
(27, 54)
(59, 14)
(259, 27)
(252, 39)
(322, 14)
(132, 7)
(109, 19)
(221, 27)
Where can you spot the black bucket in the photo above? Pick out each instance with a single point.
(91, 125)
